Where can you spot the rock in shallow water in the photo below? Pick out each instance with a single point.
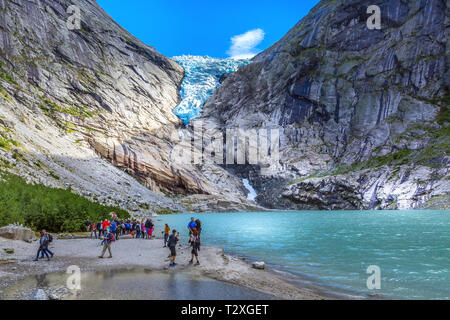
(38, 294)
(259, 265)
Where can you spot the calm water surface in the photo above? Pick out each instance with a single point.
(333, 249)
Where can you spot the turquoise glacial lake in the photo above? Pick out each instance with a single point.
(332, 250)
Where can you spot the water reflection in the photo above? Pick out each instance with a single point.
(135, 284)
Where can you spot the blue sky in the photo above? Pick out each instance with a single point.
(208, 27)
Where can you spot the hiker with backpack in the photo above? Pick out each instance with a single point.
(195, 243)
(46, 249)
(109, 238)
(173, 239)
(43, 243)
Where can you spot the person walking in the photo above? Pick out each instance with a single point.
(195, 243)
(42, 244)
(109, 238)
(173, 240)
(166, 234)
(46, 249)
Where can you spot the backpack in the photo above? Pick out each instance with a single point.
(50, 237)
(111, 237)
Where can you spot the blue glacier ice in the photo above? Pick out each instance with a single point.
(202, 75)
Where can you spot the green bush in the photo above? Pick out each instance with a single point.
(41, 207)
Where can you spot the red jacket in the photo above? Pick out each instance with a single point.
(106, 224)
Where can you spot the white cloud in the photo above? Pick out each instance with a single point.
(243, 46)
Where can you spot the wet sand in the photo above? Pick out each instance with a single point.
(149, 254)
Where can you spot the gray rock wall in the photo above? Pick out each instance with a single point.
(353, 100)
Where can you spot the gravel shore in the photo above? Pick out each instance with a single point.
(150, 254)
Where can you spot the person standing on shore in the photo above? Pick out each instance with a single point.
(152, 227)
(42, 245)
(109, 238)
(173, 239)
(148, 227)
(94, 230)
(195, 243)
(100, 229)
(198, 226)
(138, 229)
(191, 226)
(143, 229)
(166, 234)
(113, 228)
(87, 224)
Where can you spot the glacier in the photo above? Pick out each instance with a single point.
(202, 77)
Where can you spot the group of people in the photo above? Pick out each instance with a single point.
(110, 230)
(119, 227)
(195, 229)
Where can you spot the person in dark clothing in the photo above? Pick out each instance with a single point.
(195, 243)
(173, 240)
(198, 226)
(46, 249)
(87, 224)
(99, 229)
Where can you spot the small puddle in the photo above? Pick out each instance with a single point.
(136, 284)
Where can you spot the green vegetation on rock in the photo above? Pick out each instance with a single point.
(41, 207)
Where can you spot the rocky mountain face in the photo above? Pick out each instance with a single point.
(363, 114)
(91, 109)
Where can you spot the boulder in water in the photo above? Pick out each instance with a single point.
(259, 265)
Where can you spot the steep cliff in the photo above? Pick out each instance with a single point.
(77, 104)
(363, 114)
